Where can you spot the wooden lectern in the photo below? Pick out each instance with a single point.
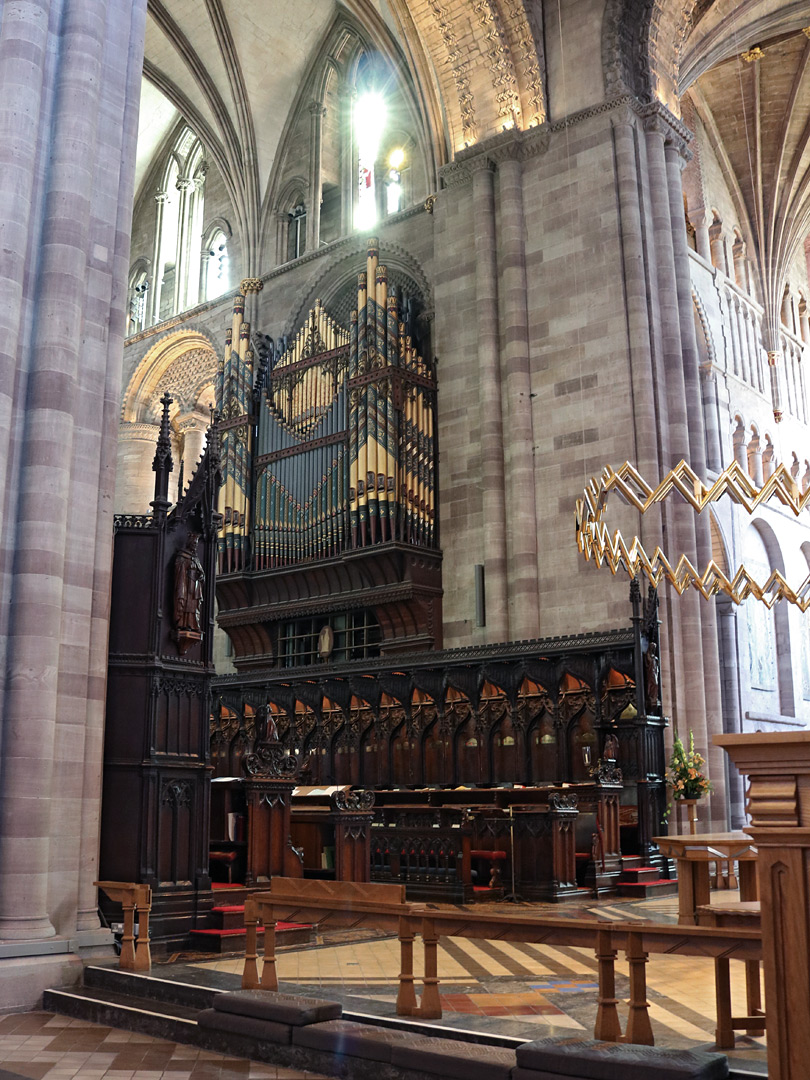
(778, 769)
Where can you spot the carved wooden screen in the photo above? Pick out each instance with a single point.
(345, 443)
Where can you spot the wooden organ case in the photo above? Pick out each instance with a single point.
(329, 501)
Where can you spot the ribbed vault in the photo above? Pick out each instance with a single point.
(234, 72)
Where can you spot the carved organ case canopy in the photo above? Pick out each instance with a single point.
(329, 457)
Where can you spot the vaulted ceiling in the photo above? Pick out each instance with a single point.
(234, 71)
(755, 107)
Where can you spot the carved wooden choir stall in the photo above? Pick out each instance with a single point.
(155, 809)
(540, 759)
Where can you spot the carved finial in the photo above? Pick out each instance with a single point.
(162, 464)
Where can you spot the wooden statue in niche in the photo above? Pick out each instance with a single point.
(189, 578)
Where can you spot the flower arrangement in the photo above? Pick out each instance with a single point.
(684, 775)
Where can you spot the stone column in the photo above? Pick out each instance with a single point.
(348, 183)
(740, 267)
(202, 288)
(701, 219)
(135, 481)
(71, 313)
(522, 523)
(755, 460)
(711, 412)
(193, 429)
(316, 112)
(691, 711)
(732, 711)
(185, 187)
(491, 427)
(675, 154)
(153, 316)
(635, 276)
(717, 247)
(282, 236)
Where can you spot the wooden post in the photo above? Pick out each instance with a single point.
(250, 973)
(753, 995)
(269, 976)
(778, 765)
(143, 953)
(431, 1005)
(406, 997)
(693, 889)
(126, 961)
(607, 1027)
(639, 1029)
(724, 1033)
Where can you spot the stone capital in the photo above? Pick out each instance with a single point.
(317, 108)
(161, 196)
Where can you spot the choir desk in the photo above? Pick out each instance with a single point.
(694, 853)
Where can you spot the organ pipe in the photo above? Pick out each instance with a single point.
(344, 454)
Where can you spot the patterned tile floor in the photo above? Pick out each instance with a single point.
(41, 1046)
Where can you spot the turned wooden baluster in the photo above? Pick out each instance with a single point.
(607, 1027)
(639, 1029)
(250, 973)
(269, 976)
(143, 905)
(126, 960)
(406, 996)
(431, 1005)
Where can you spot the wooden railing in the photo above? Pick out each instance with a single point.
(347, 905)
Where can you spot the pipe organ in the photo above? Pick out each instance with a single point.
(329, 449)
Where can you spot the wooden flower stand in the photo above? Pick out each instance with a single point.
(691, 807)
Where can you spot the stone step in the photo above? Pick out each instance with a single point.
(103, 979)
(163, 1020)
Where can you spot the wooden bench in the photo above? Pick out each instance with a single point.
(745, 915)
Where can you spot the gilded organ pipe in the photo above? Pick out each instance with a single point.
(344, 432)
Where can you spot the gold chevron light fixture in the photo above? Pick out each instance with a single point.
(595, 542)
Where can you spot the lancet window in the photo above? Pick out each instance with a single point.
(177, 281)
(367, 156)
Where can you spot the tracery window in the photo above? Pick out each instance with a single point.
(177, 283)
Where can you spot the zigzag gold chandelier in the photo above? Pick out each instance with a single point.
(595, 541)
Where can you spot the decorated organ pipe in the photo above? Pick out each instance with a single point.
(234, 405)
(344, 436)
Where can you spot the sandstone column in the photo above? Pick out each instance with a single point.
(690, 701)
(492, 477)
(72, 261)
(522, 524)
(674, 152)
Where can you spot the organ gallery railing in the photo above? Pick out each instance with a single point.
(344, 436)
